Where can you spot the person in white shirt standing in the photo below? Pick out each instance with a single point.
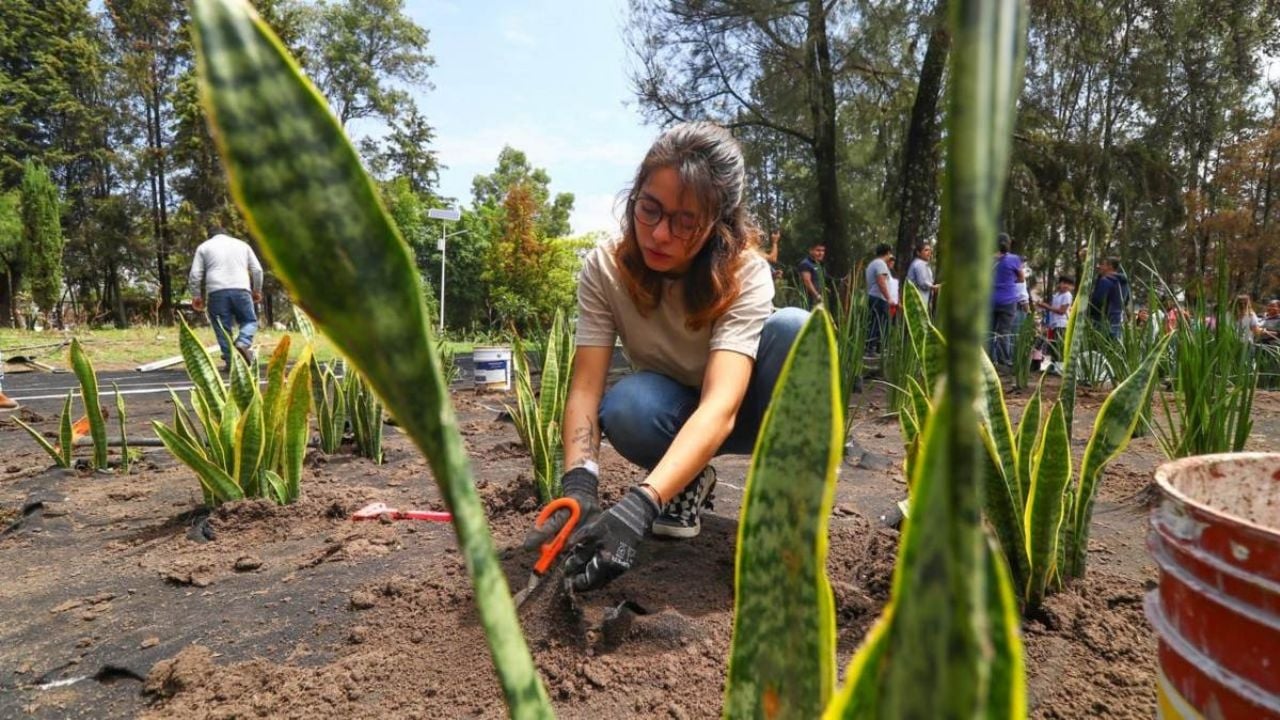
(1059, 307)
(227, 277)
(920, 274)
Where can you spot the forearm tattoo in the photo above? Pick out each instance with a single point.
(586, 439)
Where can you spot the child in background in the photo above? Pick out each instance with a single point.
(1059, 306)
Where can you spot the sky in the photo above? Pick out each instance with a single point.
(548, 77)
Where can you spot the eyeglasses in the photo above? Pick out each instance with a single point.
(682, 225)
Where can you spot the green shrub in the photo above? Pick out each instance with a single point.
(538, 415)
(63, 452)
(244, 442)
(1214, 373)
(364, 412)
(331, 406)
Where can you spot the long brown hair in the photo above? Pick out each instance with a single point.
(709, 162)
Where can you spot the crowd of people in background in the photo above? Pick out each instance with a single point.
(1110, 302)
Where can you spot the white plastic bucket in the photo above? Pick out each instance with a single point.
(492, 368)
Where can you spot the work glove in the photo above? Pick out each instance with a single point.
(581, 485)
(606, 547)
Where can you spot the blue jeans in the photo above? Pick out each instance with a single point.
(1002, 329)
(878, 324)
(642, 413)
(232, 309)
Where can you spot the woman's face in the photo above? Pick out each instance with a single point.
(669, 223)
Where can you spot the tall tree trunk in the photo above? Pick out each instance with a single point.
(162, 199)
(918, 194)
(822, 109)
(8, 301)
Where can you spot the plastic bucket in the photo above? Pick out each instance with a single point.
(1215, 537)
(492, 368)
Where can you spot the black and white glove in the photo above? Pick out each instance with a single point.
(580, 484)
(606, 547)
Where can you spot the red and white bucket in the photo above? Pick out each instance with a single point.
(1215, 536)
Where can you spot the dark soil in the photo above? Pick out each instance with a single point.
(116, 602)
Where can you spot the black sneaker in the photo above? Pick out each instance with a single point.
(680, 518)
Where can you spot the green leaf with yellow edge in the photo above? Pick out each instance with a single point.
(89, 394)
(782, 659)
(200, 368)
(244, 382)
(249, 443)
(1112, 430)
(996, 417)
(1028, 430)
(124, 435)
(219, 485)
(1007, 688)
(276, 488)
(44, 444)
(297, 429)
(1003, 510)
(1050, 476)
(273, 399)
(940, 661)
(66, 432)
(322, 228)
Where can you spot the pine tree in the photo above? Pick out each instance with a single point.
(42, 236)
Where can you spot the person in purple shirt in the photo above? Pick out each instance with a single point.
(1004, 301)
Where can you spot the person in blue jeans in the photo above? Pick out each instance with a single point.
(689, 294)
(1106, 304)
(1007, 274)
(227, 278)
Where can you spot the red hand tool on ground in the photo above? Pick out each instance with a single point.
(378, 511)
(551, 548)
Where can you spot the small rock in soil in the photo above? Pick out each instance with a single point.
(675, 712)
(363, 600)
(358, 635)
(596, 676)
(247, 563)
(149, 643)
(65, 606)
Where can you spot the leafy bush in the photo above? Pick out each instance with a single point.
(94, 417)
(62, 452)
(1214, 373)
(364, 412)
(1040, 516)
(538, 415)
(331, 406)
(244, 442)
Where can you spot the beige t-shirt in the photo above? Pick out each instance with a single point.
(661, 342)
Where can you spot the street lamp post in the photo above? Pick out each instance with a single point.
(447, 215)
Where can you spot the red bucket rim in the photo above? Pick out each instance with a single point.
(1168, 469)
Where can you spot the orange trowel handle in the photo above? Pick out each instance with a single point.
(552, 547)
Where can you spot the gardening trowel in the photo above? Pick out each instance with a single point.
(551, 548)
